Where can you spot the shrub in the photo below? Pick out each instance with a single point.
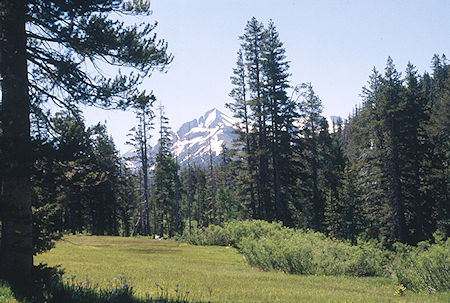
(309, 252)
(270, 246)
(211, 235)
(423, 268)
(6, 294)
(237, 231)
(233, 233)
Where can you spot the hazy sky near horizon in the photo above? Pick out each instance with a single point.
(332, 44)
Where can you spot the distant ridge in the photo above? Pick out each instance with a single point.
(194, 138)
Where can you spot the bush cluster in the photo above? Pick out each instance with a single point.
(313, 253)
(6, 294)
(270, 246)
(211, 235)
(423, 268)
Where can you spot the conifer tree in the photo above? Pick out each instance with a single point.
(252, 44)
(311, 193)
(165, 180)
(281, 114)
(45, 46)
(437, 130)
(212, 185)
(413, 141)
(140, 138)
(390, 145)
(388, 109)
(228, 196)
(265, 121)
(240, 109)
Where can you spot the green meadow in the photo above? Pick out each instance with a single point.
(208, 273)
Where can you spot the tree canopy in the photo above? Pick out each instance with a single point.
(56, 52)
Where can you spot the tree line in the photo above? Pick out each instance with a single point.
(383, 172)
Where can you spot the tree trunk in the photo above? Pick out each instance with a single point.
(16, 249)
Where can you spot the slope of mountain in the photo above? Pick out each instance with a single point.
(195, 139)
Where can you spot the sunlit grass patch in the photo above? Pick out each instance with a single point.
(218, 274)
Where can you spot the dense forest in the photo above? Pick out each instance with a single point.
(380, 173)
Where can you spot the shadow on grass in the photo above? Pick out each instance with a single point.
(49, 287)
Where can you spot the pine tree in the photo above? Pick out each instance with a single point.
(363, 148)
(240, 109)
(388, 109)
(165, 181)
(390, 147)
(107, 176)
(55, 39)
(128, 199)
(252, 45)
(212, 185)
(311, 192)
(140, 138)
(276, 76)
(266, 118)
(16, 247)
(413, 141)
(437, 130)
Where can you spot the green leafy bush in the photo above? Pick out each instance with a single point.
(6, 294)
(238, 231)
(270, 246)
(211, 235)
(423, 268)
(232, 233)
(308, 252)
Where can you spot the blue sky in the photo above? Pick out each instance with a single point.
(332, 44)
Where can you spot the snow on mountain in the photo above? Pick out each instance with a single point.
(195, 138)
(333, 122)
(129, 160)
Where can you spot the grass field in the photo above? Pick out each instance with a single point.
(216, 274)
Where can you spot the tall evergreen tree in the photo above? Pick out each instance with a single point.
(212, 185)
(104, 202)
(165, 181)
(308, 149)
(45, 45)
(363, 140)
(388, 111)
(413, 141)
(437, 130)
(253, 41)
(140, 138)
(266, 118)
(240, 109)
(390, 145)
(281, 116)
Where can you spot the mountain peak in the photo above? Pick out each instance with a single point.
(196, 138)
(211, 119)
(215, 118)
